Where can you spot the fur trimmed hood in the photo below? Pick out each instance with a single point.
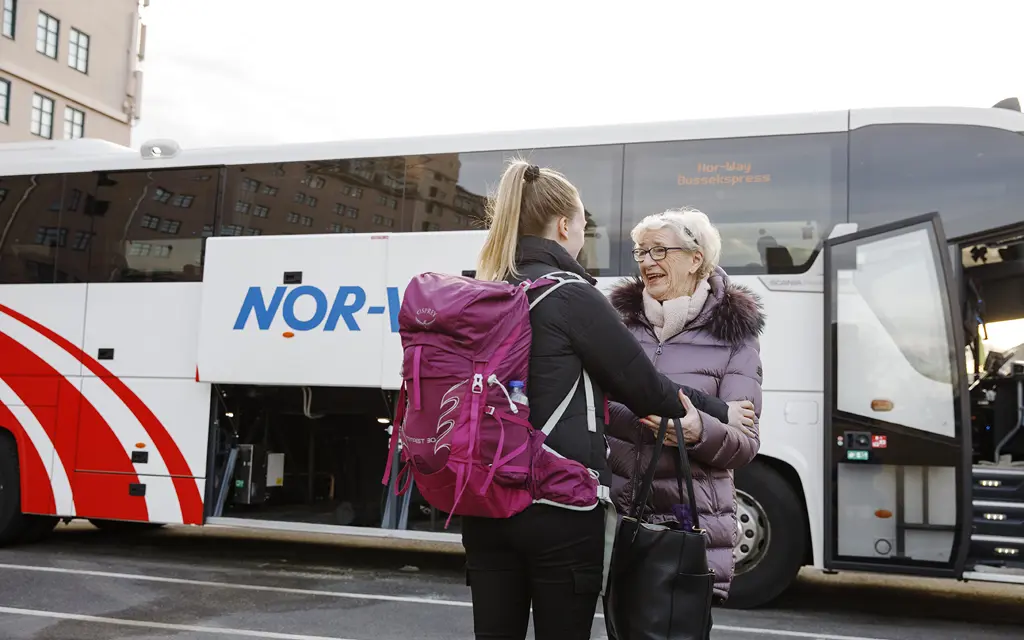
(732, 313)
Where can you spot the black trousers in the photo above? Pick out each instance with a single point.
(546, 556)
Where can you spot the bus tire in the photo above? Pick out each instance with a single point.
(12, 520)
(772, 542)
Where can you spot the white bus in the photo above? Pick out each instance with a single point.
(209, 336)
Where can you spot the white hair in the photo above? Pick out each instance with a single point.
(693, 231)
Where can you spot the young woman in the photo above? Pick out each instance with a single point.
(548, 556)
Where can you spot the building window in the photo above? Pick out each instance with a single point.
(52, 236)
(162, 195)
(47, 33)
(10, 15)
(260, 211)
(334, 228)
(231, 230)
(74, 123)
(42, 116)
(182, 200)
(293, 217)
(307, 221)
(136, 249)
(248, 184)
(241, 206)
(170, 226)
(150, 222)
(78, 51)
(252, 231)
(81, 242)
(269, 190)
(5, 101)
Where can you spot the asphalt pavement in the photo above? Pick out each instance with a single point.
(207, 583)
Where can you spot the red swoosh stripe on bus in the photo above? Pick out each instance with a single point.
(189, 498)
(36, 492)
(71, 421)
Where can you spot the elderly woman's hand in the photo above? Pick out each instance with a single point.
(693, 428)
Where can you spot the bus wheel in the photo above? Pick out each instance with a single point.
(123, 526)
(12, 521)
(772, 536)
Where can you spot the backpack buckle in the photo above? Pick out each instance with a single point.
(478, 383)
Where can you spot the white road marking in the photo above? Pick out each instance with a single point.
(242, 587)
(360, 596)
(145, 624)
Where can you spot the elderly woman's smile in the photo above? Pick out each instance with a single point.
(667, 267)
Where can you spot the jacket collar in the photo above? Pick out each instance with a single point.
(537, 250)
(732, 313)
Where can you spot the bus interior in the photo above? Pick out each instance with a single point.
(992, 294)
(308, 456)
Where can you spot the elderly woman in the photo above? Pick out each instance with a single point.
(701, 330)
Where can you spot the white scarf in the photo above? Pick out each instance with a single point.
(671, 317)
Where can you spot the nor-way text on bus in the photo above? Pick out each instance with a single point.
(307, 307)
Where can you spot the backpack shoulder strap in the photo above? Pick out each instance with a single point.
(559, 280)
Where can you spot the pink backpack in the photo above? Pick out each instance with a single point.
(470, 449)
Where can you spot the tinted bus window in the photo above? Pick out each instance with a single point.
(470, 178)
(319, 196)
(970, 175)
(148, 225)
(33, 230)
(772, 198)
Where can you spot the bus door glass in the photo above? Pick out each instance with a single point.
(897, 437)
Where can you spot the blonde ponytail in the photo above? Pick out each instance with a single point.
(528, 198)
(498, 256)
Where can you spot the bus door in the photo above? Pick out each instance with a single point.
(897, 447)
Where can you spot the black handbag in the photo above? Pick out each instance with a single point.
(660, 586)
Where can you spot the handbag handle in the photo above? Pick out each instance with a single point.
(683, 473)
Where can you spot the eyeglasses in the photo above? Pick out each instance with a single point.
(657, 253)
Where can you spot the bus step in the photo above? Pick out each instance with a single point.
(1000, 483)
(989, 549)
(1011, 573)
(998, 518)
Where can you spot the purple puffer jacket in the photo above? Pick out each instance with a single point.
(718, 352)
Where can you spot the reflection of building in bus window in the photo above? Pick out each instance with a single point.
(323, 196)
(30, 228)
(151, 226)
(595, 171)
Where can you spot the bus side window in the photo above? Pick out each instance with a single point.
(772, 198)
(33, 231)
(149, 226)
(971, 175)
(358, 195)
(472, 177)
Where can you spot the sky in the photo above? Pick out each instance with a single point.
(226, 72)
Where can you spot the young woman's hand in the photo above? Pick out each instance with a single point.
(693, 428)
(741, 415)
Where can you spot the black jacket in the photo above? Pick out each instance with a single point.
(576, 327)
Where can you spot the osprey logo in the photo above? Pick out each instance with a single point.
(449, 403)
(426, 316)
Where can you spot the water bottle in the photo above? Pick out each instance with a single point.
(518, 393)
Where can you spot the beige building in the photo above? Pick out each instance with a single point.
(70, 69)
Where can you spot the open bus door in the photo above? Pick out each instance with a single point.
(897, 448)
